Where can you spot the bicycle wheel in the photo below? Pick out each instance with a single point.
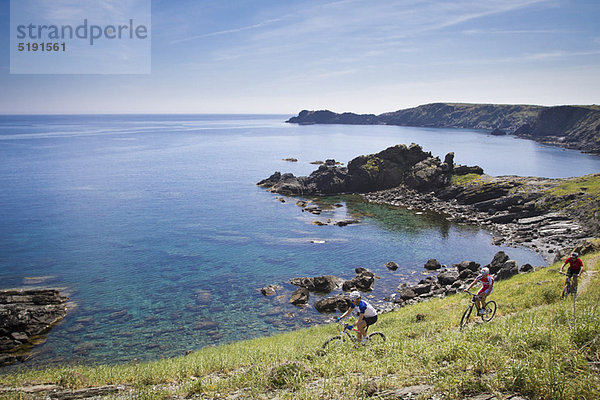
(489, 311)
(376, 338)
(565, 291)
(465, 317)
(333, 342)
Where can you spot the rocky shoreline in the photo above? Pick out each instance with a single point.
(547, 215)
(25, 316)
(512, 217)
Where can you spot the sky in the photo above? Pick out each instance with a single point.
(363, 56)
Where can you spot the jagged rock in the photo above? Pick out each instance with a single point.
(422, 288)
(407, 293)
(467, 274)
(323, 284)
(508, 269)
(269, 290)
(587, 246)
(391, 265)
(24, 315)
(526, 268)
(363, 281)
(447, 277)
(498, 132)
(497, 262)
(396, 165)
(338, 302)
(467, 265)
(465, 170)
(432, 264)
(300, 296)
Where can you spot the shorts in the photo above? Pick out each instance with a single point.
(571, 271)
(487, 291)
(370, 320)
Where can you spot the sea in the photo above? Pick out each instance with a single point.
(154, 227)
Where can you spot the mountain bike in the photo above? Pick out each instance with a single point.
(489, 310)
(346, 335)
(570, 286)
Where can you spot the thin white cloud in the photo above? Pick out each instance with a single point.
(228, 31)
(517, 31)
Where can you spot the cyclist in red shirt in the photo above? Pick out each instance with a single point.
(487, 282)
(575, 267)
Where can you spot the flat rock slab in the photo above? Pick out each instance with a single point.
(25, 314)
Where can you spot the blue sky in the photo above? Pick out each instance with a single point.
(281, 56)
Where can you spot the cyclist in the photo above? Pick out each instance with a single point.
(367, 315)
(575, 268)
(487, 282)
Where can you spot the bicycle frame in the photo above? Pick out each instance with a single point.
(569, 287)
(346, 334)
(489, 307)
(346, 329)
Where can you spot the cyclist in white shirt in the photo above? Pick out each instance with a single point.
(367, 315)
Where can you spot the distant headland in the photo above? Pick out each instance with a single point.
(571, 126)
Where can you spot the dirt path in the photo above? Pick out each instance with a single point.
(588, 272)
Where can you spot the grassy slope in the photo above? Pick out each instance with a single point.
(537, 345)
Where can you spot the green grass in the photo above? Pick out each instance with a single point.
(588, 184)
(464, 179)
(537, 345)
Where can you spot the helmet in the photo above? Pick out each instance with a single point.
(355, 295)
(574, 255)
(485, 271)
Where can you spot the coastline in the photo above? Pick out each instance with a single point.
(551, 234)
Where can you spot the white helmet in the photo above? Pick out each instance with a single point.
(574, 255)
(355, 295)
(485, 271)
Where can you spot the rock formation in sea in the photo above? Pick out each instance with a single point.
(394, 166)
(25, 316)
(547, 215)
(576, 127)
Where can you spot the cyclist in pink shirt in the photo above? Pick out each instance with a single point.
(487, 282)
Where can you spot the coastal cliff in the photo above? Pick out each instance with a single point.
(576, 127)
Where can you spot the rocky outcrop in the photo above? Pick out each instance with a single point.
(300, 296)
(432, 264)
(521, 211)
(575, 127)
(397, 165)
(25, 315)
(363, 281)
(455, 279)
(339, 302)
(322, 284)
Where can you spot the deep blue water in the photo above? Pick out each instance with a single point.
(156, 229)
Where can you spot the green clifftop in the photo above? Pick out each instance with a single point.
(576, 127)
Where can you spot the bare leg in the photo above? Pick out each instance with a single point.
(361, 330)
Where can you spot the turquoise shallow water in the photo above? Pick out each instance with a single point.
(155, 228)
